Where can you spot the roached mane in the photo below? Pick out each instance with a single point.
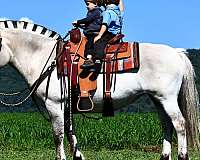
(23, 25)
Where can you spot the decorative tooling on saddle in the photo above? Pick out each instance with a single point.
(119, 57)
(124, 55)
(71, 59)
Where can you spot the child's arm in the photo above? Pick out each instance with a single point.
(121, 5)
(101, 32)
(88, 19)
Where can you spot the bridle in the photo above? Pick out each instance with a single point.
(43, 75)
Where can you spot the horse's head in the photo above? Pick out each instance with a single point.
(5, 52)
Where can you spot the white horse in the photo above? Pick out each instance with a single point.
(165, 74)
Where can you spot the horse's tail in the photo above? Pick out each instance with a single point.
(189, 103)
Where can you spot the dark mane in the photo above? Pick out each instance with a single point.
(23, 25)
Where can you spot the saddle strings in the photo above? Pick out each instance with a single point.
(70, 87)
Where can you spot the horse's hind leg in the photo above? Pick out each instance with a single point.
(57, 117)
(172, 109)
(168, 132)
(167, 129)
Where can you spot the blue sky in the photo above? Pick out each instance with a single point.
(172, 22)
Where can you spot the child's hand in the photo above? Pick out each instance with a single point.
(97, 38)
(74, 23)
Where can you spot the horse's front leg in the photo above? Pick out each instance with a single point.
(57, 118)
(77, 155)
(69, 130)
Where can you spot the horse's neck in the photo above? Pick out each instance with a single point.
(30, 54)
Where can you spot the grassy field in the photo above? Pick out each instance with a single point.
(28, 136)
(89, 155)
(47, 154)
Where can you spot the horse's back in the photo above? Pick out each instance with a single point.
(159, 55)
(162, 68)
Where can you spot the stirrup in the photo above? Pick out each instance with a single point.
(85, 104)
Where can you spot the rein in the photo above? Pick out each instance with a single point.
(22, 101)
(36, 84)
(13, 93)
(70, 90)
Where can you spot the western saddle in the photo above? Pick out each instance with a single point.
(119, 57)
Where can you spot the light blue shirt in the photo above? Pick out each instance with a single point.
(113, 18)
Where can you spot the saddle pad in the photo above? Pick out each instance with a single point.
(127, 64)
(122, 50)
(120, 47)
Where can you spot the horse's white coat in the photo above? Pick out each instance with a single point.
(161, 73)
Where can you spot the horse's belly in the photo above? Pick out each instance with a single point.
(126, 90)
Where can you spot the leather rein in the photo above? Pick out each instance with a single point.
(43, 75)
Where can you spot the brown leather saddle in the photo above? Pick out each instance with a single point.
(73, 58)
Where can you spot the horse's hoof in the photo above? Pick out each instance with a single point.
(77, 158)
(61, 159)
(164, 157)
(183, 157)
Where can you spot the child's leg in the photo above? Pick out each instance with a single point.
(89, 52)
(100, 45)
(89, 46)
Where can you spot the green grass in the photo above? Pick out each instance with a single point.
(47, 154)
(26, 131)
(28, 136)
(122, 131)
(89, 155)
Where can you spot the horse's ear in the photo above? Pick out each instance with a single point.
(75, 35)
